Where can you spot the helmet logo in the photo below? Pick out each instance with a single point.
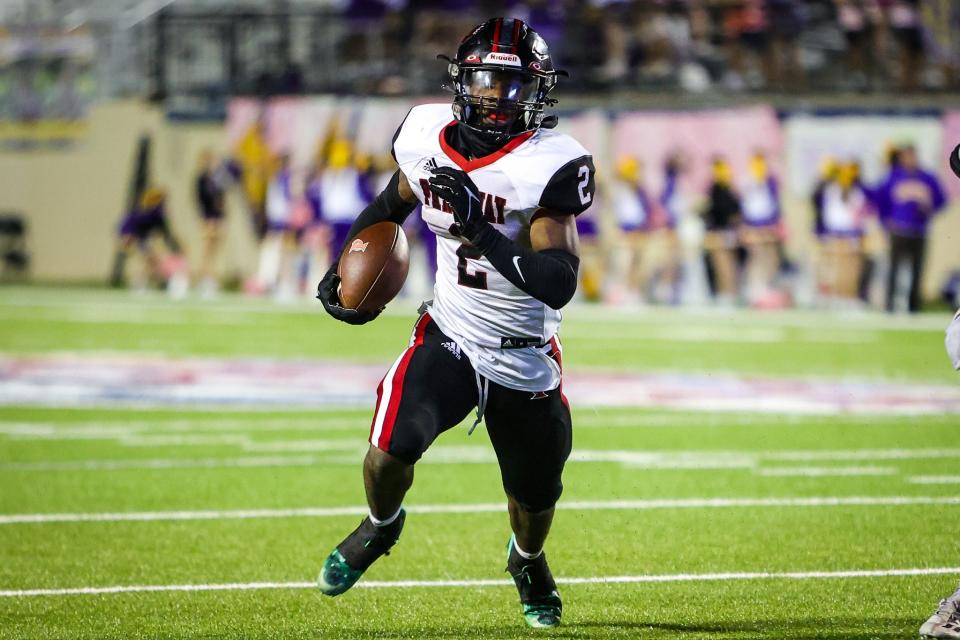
(535, 66)
(509, 59)
(472, 58)
(358, 246)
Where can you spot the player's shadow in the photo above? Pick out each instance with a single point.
(873, 628)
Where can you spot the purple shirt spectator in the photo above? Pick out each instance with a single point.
(141, 222)
(908, 199)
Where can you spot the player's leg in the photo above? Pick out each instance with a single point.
(532, 436)
(430, 388)
(945, 622)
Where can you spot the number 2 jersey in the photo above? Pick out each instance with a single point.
(509, 336)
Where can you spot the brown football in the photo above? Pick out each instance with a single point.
(373, 267)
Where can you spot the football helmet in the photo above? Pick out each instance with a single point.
(501, 77)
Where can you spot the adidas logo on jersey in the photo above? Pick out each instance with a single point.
(452, 347)
(430, 164)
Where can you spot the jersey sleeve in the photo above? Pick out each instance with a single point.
(570, 190)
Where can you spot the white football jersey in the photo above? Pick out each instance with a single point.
(507, 334)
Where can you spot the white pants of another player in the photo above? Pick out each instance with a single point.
(953, 341)
(945, 622)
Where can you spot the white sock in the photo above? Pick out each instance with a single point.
(524, 554)
(383, 523)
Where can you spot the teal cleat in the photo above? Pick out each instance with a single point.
(345, 564)
(337, 576)
(539, 599)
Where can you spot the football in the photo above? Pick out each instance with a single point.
(373, 267)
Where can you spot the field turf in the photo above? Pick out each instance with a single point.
(212, 523)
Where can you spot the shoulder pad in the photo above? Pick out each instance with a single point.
(418, 134)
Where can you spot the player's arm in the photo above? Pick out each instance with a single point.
(547, 270)
(393, 204)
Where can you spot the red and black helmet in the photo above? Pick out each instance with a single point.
(502, 75)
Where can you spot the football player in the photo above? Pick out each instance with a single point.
(500, 191)
(945, 622)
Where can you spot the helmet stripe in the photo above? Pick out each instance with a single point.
(516, 36)
(496, 35)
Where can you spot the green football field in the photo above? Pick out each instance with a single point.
(184, 520)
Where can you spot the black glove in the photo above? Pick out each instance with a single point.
(462, 195)
(327, 294)
(955, 161)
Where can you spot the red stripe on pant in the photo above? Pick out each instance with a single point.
(555, 354)
(396, 389)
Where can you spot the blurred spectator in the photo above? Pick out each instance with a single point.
(675, 208)
(842, 206)
(634, 213)
(745, 27)
(760, 231)
(615, 16)
(315, 238)
(254, 162)
(137, 233)
(786, 24)
(904, 20)
(858, 28)
(388, 47)
(210, 187)
(275, 270)
(344, 191)
(941, 20)
(721, 216)
(907, 200)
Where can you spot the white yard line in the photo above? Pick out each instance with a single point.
(359, 422)
(819, 472)
(412, 584)
(21, 430)
(163, 463)
(490, 507)
(346, 451)
(933, 479)
(859, 454)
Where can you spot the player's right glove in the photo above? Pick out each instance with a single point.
(327, 295)
(463, 196)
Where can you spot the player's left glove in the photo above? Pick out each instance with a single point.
(327, 294)
(462, 195)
